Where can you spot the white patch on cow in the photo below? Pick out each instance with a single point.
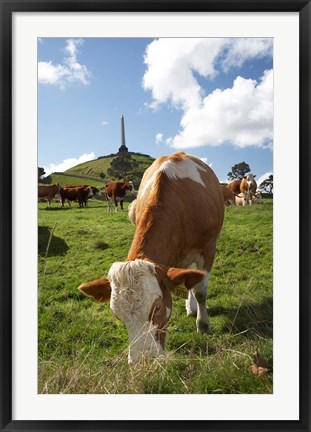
(134, 289)
(149, 182)
(168, 312)
(191, 305)
(186, 168)
(90, 192)
(131, 183)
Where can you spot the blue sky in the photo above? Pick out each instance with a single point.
(209, 97)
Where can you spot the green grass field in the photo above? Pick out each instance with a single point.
(83, 347)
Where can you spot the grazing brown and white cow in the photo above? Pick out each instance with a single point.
(257, 198)
(241, 200)
(115, 191)
(96, 191)
(80, 194)
(48, 191)
(179, 213)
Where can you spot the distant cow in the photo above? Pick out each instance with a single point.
(234, 186)
(115, 191)
(229, 196)
(179, 214)
(96, 191)
(252, 185)
(48, 191)
(257, 198)
(241, 200)
(80, 194)
(244, 186)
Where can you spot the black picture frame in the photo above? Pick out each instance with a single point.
(8, 7)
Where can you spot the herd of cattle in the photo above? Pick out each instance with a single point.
(238, 192)
(81, 193)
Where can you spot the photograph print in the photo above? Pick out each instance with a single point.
(155, 215)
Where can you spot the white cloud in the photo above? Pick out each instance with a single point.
(242, 115)
(69, 71)
(104, 123)
(263, 177)
(68, 163)
(205, 161)
(159, 138)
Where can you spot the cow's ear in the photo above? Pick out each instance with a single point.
(188, 277)
(99, 290)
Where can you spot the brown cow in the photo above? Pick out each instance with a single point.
(179, 214)
(79, 194)
(234, 186)
(252, 186)
(48, 191)
(96, 191)
(115, 190)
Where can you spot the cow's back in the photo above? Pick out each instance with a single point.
(185, 187)
(234, 186)
(47, 190)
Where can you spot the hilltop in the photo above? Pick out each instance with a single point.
(90, 172)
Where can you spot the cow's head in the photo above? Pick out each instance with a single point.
(89, 191)
(140, 296)
(250, 178)
(96, 191)
(130, 186)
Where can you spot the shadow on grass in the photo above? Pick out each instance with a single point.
(57, 246)
(98, 244)
(255, 319)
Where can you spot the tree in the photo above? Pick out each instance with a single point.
(267, 185)
(121, 166)
(41, 173)
(102, 175)
(238, 171)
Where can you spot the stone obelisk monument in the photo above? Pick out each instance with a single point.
(123, 148)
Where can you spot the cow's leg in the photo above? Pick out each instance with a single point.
(200, 293)
(191, 305)
(200, 290)
(115, 203)
(109, 202)
(121, 203)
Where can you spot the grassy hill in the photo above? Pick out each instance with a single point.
(101, 165)
(63, 178)
(89, 172)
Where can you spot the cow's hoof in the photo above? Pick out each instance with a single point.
(203, 327)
